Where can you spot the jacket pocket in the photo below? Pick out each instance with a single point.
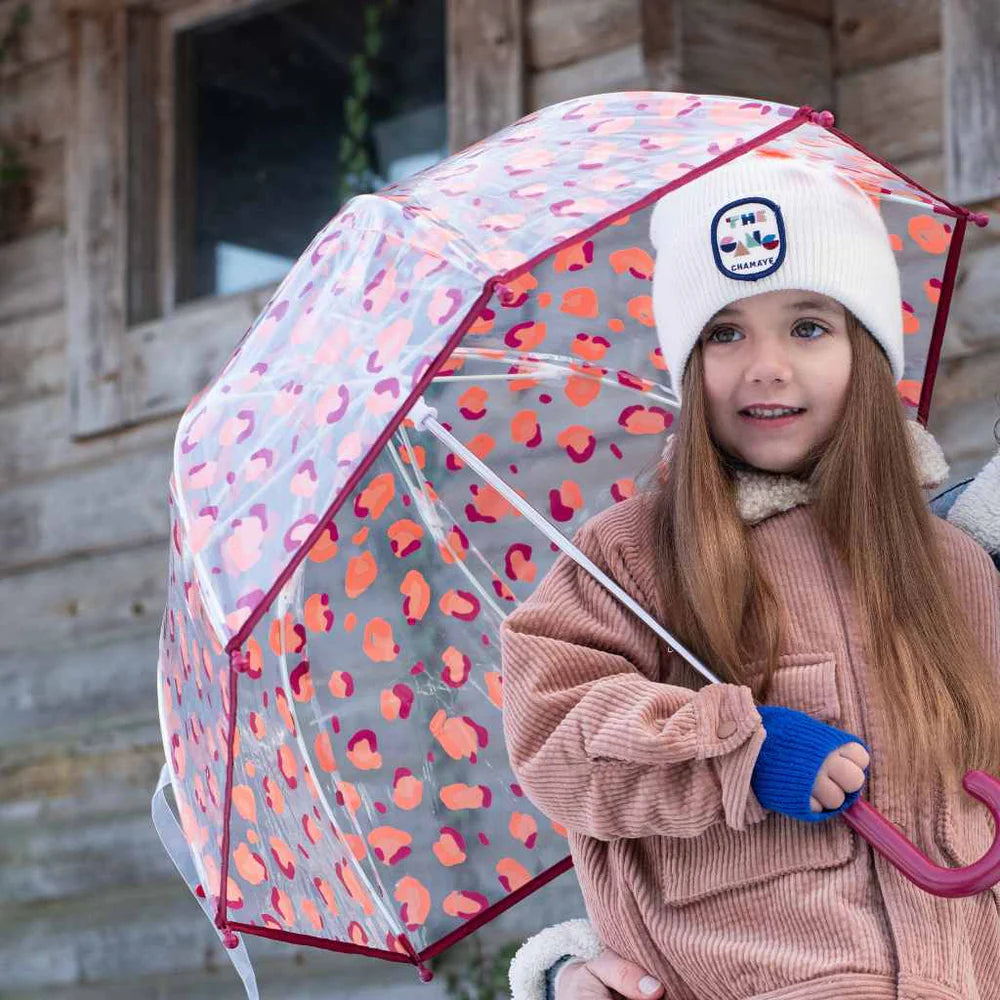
(803, 681)
(722, 859)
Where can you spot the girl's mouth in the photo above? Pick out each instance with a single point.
(771, 418)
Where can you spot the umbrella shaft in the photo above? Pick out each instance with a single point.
(425, 418)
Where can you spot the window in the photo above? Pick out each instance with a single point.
(282, 116)
(209, 140)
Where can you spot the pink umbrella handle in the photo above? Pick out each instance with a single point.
(914, 864)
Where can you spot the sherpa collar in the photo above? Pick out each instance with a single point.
(759, 495)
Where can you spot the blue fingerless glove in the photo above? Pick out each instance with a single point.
(789, 761)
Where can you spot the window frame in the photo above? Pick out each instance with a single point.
(120, 170)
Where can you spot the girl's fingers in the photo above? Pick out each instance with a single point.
(828, 792)
(856, 753)
(845, 773)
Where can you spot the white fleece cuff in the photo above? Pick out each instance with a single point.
(977, 510)
(533, 958)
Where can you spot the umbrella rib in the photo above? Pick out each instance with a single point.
(424, 417)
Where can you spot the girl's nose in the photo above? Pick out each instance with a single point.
(768, 361)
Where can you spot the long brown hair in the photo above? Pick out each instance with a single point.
(922, 652)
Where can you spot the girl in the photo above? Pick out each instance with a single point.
(786, 542)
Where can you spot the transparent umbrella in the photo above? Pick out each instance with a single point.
(457, 372)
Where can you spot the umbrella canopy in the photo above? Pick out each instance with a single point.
(329, 674)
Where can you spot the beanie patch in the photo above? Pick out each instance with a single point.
(748, 238)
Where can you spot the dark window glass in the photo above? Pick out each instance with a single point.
(283, 113)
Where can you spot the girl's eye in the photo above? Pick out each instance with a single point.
(721, 329)
(718, 335)
(808, 323)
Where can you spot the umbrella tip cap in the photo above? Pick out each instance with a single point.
(981, 219)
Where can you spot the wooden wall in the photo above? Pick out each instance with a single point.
(891, 73)
(91, 905)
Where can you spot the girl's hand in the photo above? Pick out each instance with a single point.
(607, 977)
(842, 773)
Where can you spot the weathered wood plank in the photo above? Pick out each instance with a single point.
(55, 779)
(154, 942)
(621, 69)
(32, 357)
(81, 826)
(31, 275)
(895, 110)
(168, 360)
(34, 107)
(86, 686)
(972, 99)
(46, 167)
(792, 54)
(119, 503)
(324, 977)
(43, 38)
(66, 606)
(96, 223)
(35, 443)
(868, 34)
(662, 44)
(973, 313)
(820, 11)
(485, 67)
(929, 171)
(566, 31)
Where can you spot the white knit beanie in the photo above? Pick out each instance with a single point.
(759, 224)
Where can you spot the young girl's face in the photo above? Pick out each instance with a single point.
(779, 349)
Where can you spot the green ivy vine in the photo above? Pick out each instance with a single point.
(357, 173)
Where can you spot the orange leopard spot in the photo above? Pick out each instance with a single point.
(414, 900)
(323, 749)
(580, 302)
(250, 866)
(462, 796)
(464, 903)
(317, 616)
(246, 804)
(641, 309)
(511, 875)
(407, 789)
(929, 234)
(635, 260)
(449, 848)
(379, 645)
(416, 596)
(523, 827)
(376, 496)
(404, 537)
(390, 844)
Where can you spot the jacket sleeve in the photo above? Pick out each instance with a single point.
(596, 743)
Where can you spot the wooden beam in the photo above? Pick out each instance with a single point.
(749, 49)
(866, 34)
(485, 68)
(31, 279)
(96, 238)
(972, 99)
(619, 70)
(32, 357)
(894, 110)
(560, 32)
(662, 50)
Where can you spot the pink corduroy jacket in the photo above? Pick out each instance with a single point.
(682, 870)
